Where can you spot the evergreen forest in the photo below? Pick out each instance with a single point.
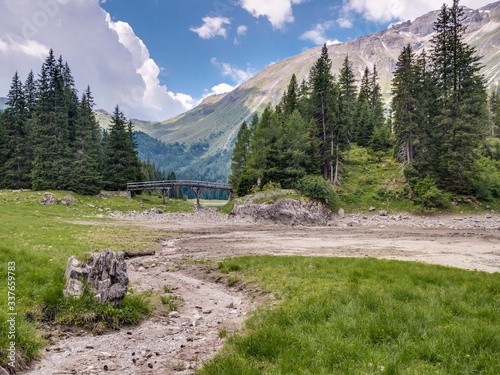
(441, 126)
(50, 138)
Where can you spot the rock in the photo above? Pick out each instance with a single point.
(383, 213)
(105, 274)
(285, 211)
(68, 200)
(174, 315)
(371, 209)
(3, 371)
(342, 213)
(48, 199)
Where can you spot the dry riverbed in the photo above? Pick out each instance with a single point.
(180, 342)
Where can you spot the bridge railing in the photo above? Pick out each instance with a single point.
(159, 185)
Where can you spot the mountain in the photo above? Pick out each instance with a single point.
(215, 121)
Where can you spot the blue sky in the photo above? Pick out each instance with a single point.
(159, 58)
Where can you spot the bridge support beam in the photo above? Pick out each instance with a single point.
(198, 191)
(165, 191)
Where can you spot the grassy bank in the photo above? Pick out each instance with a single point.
(39, 240)
(364, 316)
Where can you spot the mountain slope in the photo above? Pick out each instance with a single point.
(217, 118)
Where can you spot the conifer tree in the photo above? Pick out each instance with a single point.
(364, 124)
(16, 167)
(121, 162)
(323, 108)
(85, 176)
(239, 155)
(404, 104)
(51, 141)
(347, 104)
(461, 121)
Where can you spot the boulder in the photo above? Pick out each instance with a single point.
(285, 212)
(104, 274)
(48, 199)
(68, 200)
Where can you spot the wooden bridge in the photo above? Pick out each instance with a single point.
(198, 187)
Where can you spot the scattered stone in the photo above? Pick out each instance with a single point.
(383, 213)
(48, 199)
(3, 371)
(105, 274)
(371, 209)
(341, 213)
(174, 315)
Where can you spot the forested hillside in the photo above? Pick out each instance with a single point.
(437, 129)
(50, 138)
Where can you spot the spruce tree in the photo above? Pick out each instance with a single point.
(404, 104)
(52, 156)
(347, 104)
(121, 164)
(364, 121)
(239, 155)
(323, 108)
(85, 176)
(16, 167)
(461, 121)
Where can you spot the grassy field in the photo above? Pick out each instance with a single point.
(39, 240)
(364, 316)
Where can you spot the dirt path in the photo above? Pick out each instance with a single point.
(181, 342)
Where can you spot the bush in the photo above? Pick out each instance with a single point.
(316, 187)
(427, 194)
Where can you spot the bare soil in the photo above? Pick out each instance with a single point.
(180, 342)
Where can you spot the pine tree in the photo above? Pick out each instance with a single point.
(364, 122)
(85, 175)
(122, 164)
(461, 121)
(239, 155)
(52, 156)
(347, 104)
(323, 108)
(404, 104)
(16, 167)
(293, 149)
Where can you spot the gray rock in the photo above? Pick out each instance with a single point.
(48, 199)
(3, 371)
(285, 211)
(105, 274)
(383, 213)
(371, 209)
(342, 213)
(68, 200)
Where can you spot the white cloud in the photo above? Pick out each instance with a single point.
(104, 54)
(389, 10)
(242, 30)
(278, 12)
(237, 75)
(212, 27)
(221, 88)
(318, 34)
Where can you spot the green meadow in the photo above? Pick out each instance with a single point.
(363, 316)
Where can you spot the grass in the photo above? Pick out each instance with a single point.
(364, 316)
(40, 239)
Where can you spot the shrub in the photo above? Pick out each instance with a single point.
(316, 187)
(427, 194)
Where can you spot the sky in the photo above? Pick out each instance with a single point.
(159, 58)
